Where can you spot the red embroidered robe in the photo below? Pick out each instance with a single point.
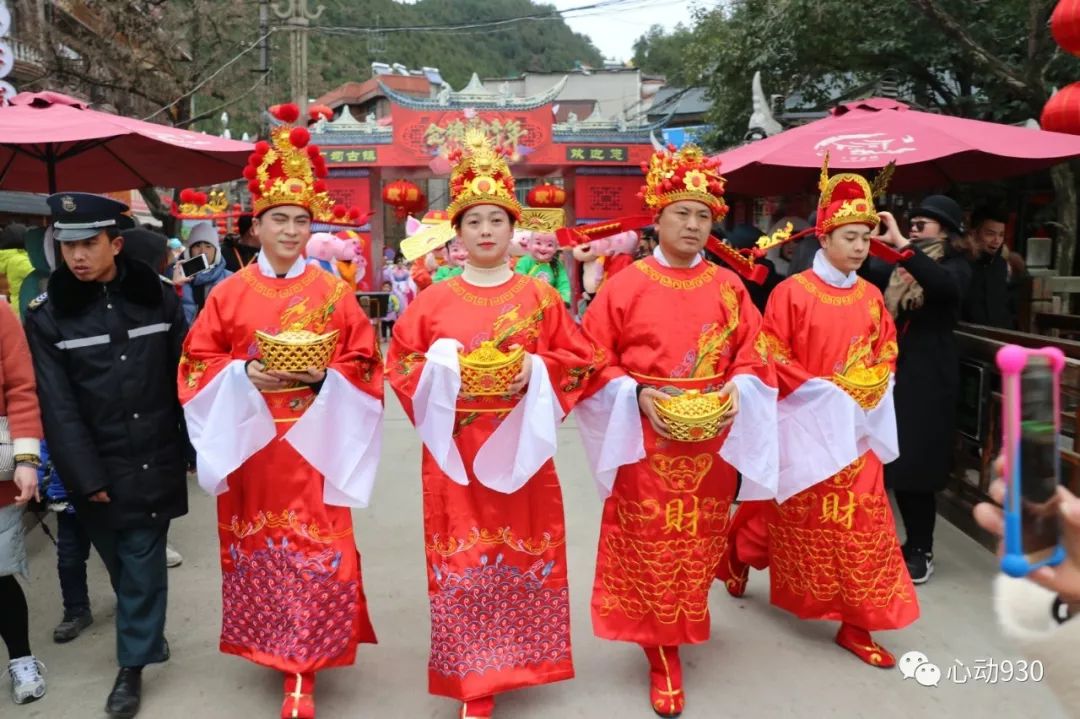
(496, 563)
(665, 524)
(292, 592)
(832, 549)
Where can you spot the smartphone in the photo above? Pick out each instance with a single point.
(194, 266)
(1031, 411)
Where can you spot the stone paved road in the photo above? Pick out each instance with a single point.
(761, 663)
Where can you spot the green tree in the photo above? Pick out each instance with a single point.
(658, 52)
(545, 44)
(186, 61)
(985, 60)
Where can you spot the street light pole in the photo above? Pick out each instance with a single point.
(297, 17)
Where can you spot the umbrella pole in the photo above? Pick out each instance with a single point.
(4, 172)
(50, 163)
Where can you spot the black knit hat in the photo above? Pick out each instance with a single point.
(13, 237)
(943, 209)
(146, 246)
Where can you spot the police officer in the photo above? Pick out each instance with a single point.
(106, 341)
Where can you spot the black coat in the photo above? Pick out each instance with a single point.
(759, 294)
(877, 272)
(927, 374)
(106, 358)
(237, 256)
(802, 258)
(987, 301)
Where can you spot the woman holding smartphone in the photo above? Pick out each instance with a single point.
(197, 279)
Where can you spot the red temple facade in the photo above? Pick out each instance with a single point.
(407, 136)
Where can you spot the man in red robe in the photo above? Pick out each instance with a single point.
(673, 323)
(287, 453)
(829, 540)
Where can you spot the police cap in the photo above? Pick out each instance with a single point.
(82, 215)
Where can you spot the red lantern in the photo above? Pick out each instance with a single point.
(404, 197)
(1065, 25)
(420, 206)
(317, 112)
(546, 195)
(1062, 111)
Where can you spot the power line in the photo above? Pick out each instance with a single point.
(598, 7)
(214, 74)
(579, 11)
(206, 114)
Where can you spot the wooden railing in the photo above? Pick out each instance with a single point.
(1050, 294)
(1055, 325)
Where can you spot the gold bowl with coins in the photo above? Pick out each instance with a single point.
(865, 385)
(296, 350)
(488, 371)
(693, 416)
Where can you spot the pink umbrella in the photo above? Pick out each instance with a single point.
(931, 151)
(51, 142)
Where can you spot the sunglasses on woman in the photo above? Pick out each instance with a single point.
(919, 225)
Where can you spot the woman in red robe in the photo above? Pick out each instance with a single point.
(460, 360)
(286, 453)
(672, 323)
(830, 539)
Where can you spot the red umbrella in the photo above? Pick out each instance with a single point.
(51, 142)
(931, 151)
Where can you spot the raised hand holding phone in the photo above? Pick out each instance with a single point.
(1031, 389)
(194, 265)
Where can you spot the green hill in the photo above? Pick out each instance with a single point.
(351, 34)
(510, 49)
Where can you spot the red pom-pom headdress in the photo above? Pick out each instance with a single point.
(672, 175)
(288, 170)
(196, 205)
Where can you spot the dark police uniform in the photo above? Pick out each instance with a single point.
(106, 356)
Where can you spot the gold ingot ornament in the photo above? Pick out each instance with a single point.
(865, 385)
(694, 416)
(488, 371)
(296, 350)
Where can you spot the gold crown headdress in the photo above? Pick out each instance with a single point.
(848, 199)
(672, 175)
(288, 170)
(196, 205)
(481, 176)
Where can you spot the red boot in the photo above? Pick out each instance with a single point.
(857, 641)
(747, 528)
(665, 681)
(299, 702)
(481, 708)
(732, 572)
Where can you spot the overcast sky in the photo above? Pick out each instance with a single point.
(615, 29)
